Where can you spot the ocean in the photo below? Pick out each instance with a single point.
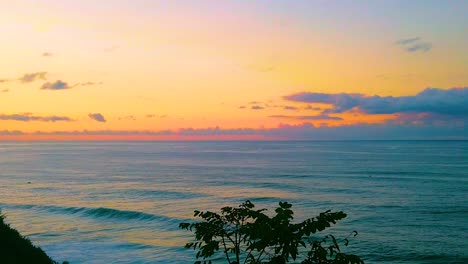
(121, 202)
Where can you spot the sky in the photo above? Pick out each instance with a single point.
(233, 70)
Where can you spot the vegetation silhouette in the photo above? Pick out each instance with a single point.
(16, 249)
(246, 235)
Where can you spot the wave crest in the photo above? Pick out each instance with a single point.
(98, 212)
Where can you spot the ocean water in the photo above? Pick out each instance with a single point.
(121, 202)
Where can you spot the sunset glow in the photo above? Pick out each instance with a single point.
(231, 70)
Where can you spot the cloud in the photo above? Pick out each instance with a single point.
(28, 117)
(289, 107)
(47, 54)
(310, 107)
(309, 117)
(11, 132)
(423, 46)
(414, 44)
(342, 102)
(156, 116)
(369, 132)
(90, 83)
(98, 117)
(130, 117)
(270, 104)
(431, 100)
(31, 77)
(257, 107)
(216, 131)
(408, 41)
(107, 132)
(61, 85)
(182, 131)
(57, 85)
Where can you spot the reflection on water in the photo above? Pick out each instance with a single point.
(122, 201)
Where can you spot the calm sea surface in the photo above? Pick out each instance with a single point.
(121, 202)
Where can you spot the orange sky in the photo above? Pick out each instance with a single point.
(168, 65)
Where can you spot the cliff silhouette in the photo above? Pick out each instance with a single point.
(17, 249)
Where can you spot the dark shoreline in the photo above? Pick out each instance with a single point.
(16, 249)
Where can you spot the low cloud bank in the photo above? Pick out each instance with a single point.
(431, 100)
(304, 131)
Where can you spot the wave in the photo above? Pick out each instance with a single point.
(98, 212)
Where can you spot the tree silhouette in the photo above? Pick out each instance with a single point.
(249, 236)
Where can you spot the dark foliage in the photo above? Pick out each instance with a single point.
(16, 249)
(246, 235)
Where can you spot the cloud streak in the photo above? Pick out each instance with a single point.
(31, 77)
(408, 41)
(308, 117)
(29, 117)
(57, 85)
(257, 107)
(130, 117)
(414, 44)
(11, 132)
(90, 83)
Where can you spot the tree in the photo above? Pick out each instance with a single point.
(249, 236)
